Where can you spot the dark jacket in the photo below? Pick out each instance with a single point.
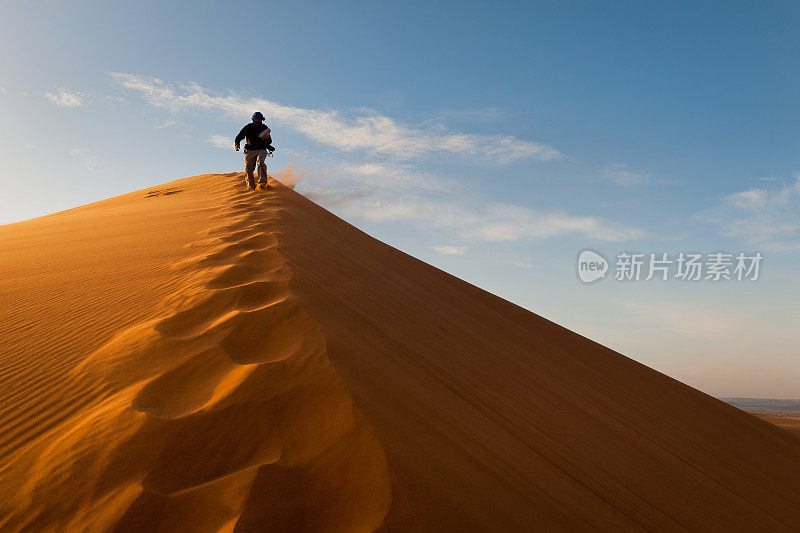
(254, 142)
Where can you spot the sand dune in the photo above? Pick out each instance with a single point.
(789, 423)
(193, 357)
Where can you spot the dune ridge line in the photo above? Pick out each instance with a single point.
(233, 392)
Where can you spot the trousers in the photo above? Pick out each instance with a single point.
(253, 158)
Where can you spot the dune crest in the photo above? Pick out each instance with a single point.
(229, 392)
(193, 357)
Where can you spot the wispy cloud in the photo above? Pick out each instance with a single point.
(64, 98)
(494, 223)
(391, 175)
(333, 197)
(364, 129)
(768, 217)
(165, 124)
(620, 174)
(84, 155)
(385, 188)
(450, 250)
(221, 141)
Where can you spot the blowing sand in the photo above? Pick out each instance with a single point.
(193, 357)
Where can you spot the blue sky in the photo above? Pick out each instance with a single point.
(495, 143)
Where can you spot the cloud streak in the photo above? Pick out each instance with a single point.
(372, 194)
(221, 141)
(84, 155)
(365, 129)
(768, 217)
(620, 174)
(65, 99)
(450, 250)
(390, 175)
(495, 223)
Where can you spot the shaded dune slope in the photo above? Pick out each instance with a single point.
(790, 424)
(198, 358)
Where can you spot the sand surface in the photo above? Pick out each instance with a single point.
(192, 357)
(789, 423)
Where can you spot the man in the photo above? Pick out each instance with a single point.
(258, 141)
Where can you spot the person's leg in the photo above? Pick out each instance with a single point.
(249, 166)
(262, 167)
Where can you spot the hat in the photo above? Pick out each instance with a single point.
(257, 114)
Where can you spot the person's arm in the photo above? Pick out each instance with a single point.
(239, 138)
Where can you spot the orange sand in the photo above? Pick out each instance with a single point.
(193, 357)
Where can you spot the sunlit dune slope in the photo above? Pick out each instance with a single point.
(193, 357)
